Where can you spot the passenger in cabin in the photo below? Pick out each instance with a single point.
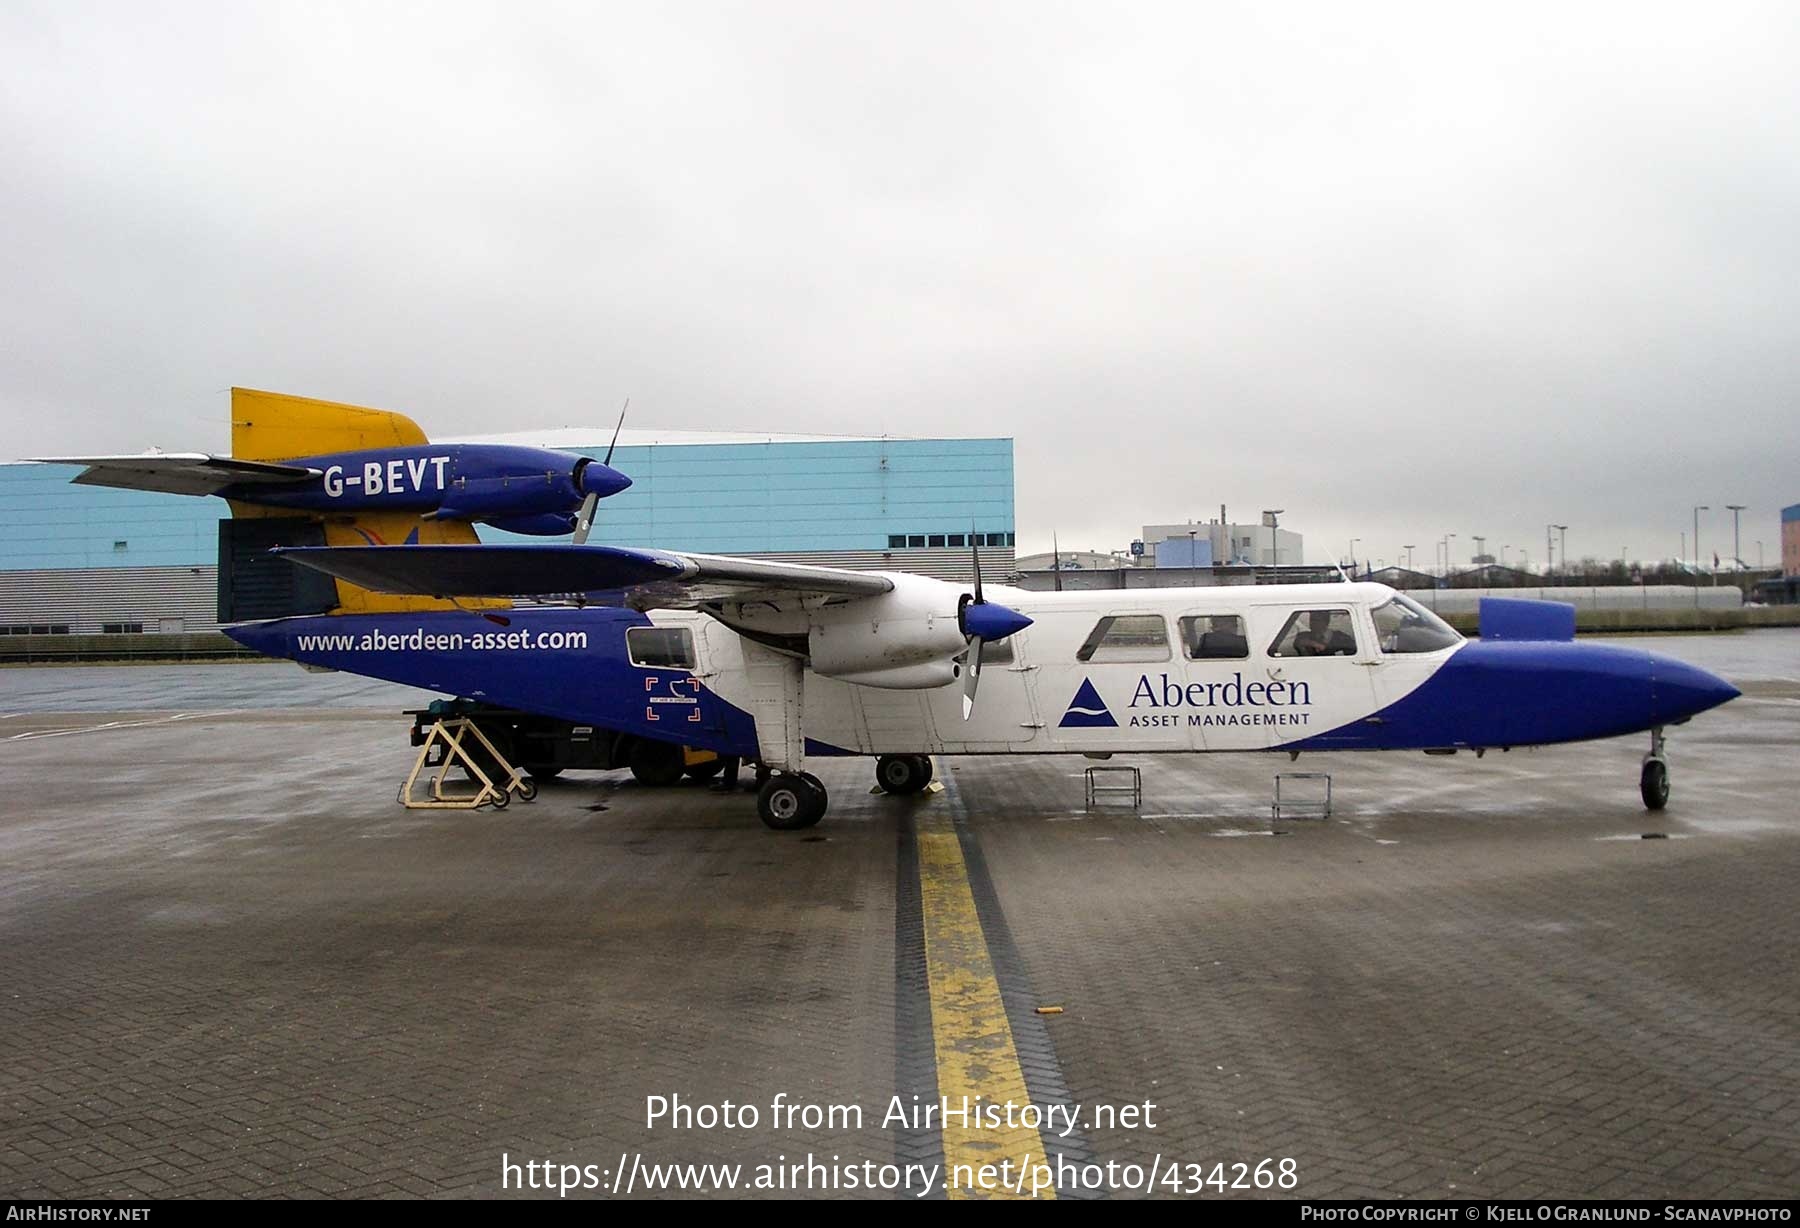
(1223, 640)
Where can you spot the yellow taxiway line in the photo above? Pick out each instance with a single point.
(973, 1041)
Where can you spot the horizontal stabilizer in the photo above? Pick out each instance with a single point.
(179, 473)
(663, 578)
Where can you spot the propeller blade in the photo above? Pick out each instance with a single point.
(584, 519)
(616, 430)
(975, 552)
(971, 675)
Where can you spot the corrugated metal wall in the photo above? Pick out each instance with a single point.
(165, 599)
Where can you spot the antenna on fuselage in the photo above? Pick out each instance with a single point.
(584, 519)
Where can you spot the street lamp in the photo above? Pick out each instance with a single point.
(1549, 549)
(1737, 556)
(1503, 550)
(1698, 508)
(1409, 551)
(1353, 542)
(1270, 519)
(1563, 545)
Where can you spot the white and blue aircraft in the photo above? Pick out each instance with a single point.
(774, 662)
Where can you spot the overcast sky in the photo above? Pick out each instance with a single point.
(1400, 270)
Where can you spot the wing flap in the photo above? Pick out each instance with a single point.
(652, 578)
(179, 473)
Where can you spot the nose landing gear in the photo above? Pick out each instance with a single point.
(1653, 780)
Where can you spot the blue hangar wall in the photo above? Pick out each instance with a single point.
(87, 559)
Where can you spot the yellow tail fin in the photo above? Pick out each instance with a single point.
(271, 426)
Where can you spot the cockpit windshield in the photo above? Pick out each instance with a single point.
(1403, 625)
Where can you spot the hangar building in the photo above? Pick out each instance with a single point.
(88, 560)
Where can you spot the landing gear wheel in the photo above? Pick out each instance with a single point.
(902, 774)
(1653, 784)
(656, 763)
(706, 770)
(789, 803)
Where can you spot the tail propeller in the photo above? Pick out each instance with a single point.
(983, 621)
(584, 519)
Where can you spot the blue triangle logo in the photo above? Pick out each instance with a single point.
(1087, 710)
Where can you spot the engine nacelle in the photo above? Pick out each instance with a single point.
(549, 524)
(904, 640)
(493, 483)
(907, 677)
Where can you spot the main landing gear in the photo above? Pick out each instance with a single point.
(790, 801)
(1653, 780)
(902, 773)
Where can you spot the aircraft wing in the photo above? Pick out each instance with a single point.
(650, 579)
(179, 473)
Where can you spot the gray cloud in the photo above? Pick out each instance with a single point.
(1403, 271)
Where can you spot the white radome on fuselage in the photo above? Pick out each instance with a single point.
(1161, 699)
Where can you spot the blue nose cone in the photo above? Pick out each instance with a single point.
(991, 621)
(1679, 690)
(602, 480)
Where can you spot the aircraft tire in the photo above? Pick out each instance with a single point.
(902, 774)
(1653, 784)
(819, 801)
(787, 802)
(656, 764)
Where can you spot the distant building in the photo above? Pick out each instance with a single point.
(1790, 540)
(1072, 560)
(1219, 544)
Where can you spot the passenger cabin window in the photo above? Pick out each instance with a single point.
(1126, 637)
(660, 647)
(1403, 625)
(1214, 637)
(1316, 633)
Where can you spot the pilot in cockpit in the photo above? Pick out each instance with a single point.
(1321, 639)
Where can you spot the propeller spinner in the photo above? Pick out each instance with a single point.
(983, 621)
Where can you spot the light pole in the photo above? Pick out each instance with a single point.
(1737, 556)
(1549, 549)
(1409, 551)
(1759, 562)
(1562, 546)
(1353, 542)
(1448, 538)
(1270, 519)
(1698, 508)
(1503, 550)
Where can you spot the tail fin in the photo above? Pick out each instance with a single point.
(273, 426)
(253, 584)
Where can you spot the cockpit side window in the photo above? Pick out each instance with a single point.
(1126, 637)
(1403, 625)
(1316, 633)
(1214, 637)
